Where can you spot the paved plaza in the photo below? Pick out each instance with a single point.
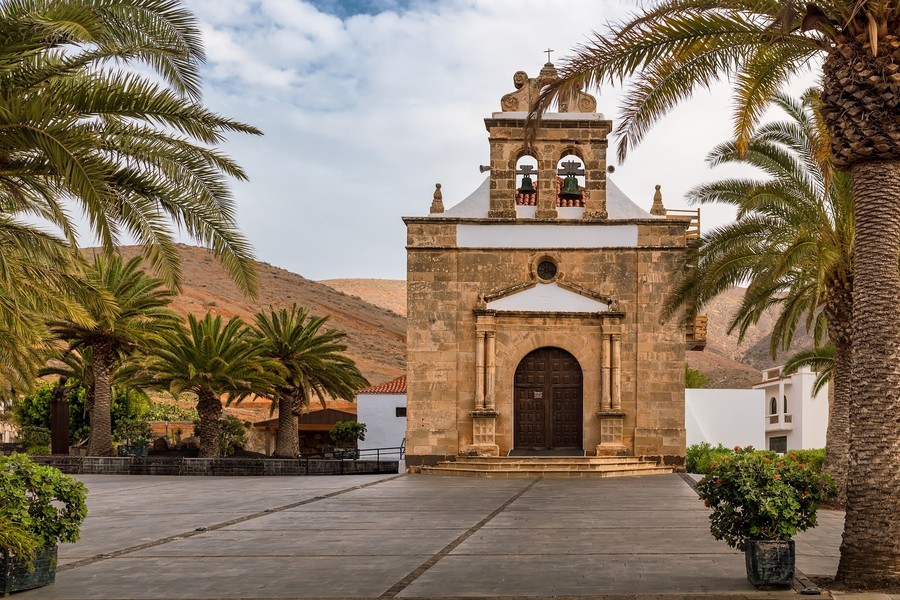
(409, 536)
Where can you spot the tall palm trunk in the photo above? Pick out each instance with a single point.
(100, 440)
(839, 311)
(209, 408)
(287, 441)
(870, 553)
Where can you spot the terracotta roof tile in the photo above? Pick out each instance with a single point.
(395, 386)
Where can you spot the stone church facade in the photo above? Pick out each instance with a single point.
(535, 307)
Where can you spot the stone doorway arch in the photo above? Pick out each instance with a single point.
(548, 401)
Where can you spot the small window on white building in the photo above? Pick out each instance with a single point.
(785, 405)
(773, 406)
(401, 412)
(778, 444)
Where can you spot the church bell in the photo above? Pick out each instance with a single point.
(570, 189)
(527, 186)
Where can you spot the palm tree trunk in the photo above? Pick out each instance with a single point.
(287, 442)
(839, 311)
(209, 408)
(100, 440)
(870, 554)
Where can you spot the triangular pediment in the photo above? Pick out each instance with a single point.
(546, 297)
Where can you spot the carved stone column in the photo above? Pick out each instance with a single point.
(605, 369)
(479, 369)
(484, 417)
(616, 378)
(611, 415)
(490, 370)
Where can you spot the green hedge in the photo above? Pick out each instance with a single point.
(701, 457)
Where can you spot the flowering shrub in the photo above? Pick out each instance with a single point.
(757, 497)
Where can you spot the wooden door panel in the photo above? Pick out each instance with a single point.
(548, 400)
(531, 412)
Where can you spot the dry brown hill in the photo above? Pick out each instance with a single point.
(376, 337)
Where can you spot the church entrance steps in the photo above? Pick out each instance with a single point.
(507, 467)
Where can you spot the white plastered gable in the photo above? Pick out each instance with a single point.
(547, 297)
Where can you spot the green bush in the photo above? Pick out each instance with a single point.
(815, 458)
(33, 410)
(132, 432)
(346, 433)
(700, 457)
(694, 378)
(36, 440)
(40, 501)
(756, 497)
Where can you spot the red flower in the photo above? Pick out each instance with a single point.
(737, 447)
(706, 503)
(718, 482)
(806, 492)
(766, 459)
(777, 476)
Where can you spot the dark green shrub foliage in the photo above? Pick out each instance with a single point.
(41, 501)
(754, 496)
(700, 457)
(347, 433)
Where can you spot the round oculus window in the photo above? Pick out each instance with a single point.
(546, 270)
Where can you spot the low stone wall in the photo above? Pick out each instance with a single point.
(152, 465)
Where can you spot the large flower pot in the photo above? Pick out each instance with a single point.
(17, 575)
(770, 563)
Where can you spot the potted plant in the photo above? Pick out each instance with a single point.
(345, 435)
(759, 500)
(132, 437)
(40, 507)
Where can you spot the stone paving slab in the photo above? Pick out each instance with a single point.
(406, 537)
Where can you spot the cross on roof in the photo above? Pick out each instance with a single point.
(525, 170)
(548, 51)
(571, 168)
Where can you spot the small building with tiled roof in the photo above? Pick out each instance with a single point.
(383, 410)
(394, 386)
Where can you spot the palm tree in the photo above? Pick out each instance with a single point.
(210, 360)
(36, 278)
(313, 363)
(129, 311)
(791, 244)
(675, 46)
(820, 359)
(83, 121)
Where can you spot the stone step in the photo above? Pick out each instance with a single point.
(545, 473)
(545, 459)
(576, 466)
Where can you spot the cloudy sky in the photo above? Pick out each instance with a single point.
(367, 104)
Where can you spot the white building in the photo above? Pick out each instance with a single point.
(780, 413)
(795, 418)
(383, 410)
(727, 417)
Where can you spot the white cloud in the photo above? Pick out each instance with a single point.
(363, 115)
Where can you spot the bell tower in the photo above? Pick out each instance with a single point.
(577, 130)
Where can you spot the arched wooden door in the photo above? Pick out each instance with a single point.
(548, 401)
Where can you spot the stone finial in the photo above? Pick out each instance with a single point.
(529, 88)
(437, 204)
(658, 209)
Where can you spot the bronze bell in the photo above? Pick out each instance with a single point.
(570, 190)
(527, 186)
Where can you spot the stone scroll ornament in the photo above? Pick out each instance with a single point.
(529, 88)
